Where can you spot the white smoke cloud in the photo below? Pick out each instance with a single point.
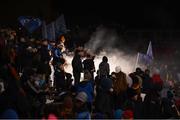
(106, 42)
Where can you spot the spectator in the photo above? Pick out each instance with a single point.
(104, 69)
(119, 88)
(81, 106)
(146, 83)
(89, 65)
(103, 101)
(77, 66)
(87, 86)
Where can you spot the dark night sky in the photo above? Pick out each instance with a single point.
(145, 14)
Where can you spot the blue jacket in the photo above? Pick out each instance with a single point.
(87, 87)
(84, 115)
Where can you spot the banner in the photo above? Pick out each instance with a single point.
(145, 59)
(44, 30)
(30, 23)
(53, 30)
(60, 26)
(50, 28)
(149, 51)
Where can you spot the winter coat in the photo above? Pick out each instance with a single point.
(87, 87)
(77, 64)
(152, 106)
(104, 69)
(88, 65)
(157, 82)
(146, 84)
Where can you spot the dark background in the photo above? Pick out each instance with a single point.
(137, 21)
(138, 14)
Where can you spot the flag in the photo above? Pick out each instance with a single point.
(50, 31)
(149, 51)
(44, 30)
(30, 23)
(144, 59)
(60, 26)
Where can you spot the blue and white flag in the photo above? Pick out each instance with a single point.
(30, 23)
(145, 59)
(50, 32)
(60, 26)
(44, 30)
(149, 51)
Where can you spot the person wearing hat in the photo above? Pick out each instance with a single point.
(128, 114)
(120, 86)
(87, 86)
(81, 109)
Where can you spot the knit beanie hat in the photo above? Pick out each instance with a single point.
(82, 96)
(128, 114)
(118, 114)
(117, 69)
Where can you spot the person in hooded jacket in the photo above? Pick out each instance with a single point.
(81, 110)
(104, 68)
(77, 66)
(103, 100)
(156, 80)
(146, 83)
(87, 86)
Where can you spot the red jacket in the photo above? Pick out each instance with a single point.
(156, 79)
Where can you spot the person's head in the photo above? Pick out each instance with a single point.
(132, 94)
(52, 42)
(60, 66)
(45, 42)
(118, 114)
(105, 59)
(113, 75)
(138, 70)
(87, 75)
(81, 53)
(118, 69)
(81, 99)
(88, 55)
(128, 114)
(120, 84)
(60, 46)
(147, 72)
(68, 75)
(68, 102)
(157, 71)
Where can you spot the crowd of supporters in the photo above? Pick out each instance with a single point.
(35, 84)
